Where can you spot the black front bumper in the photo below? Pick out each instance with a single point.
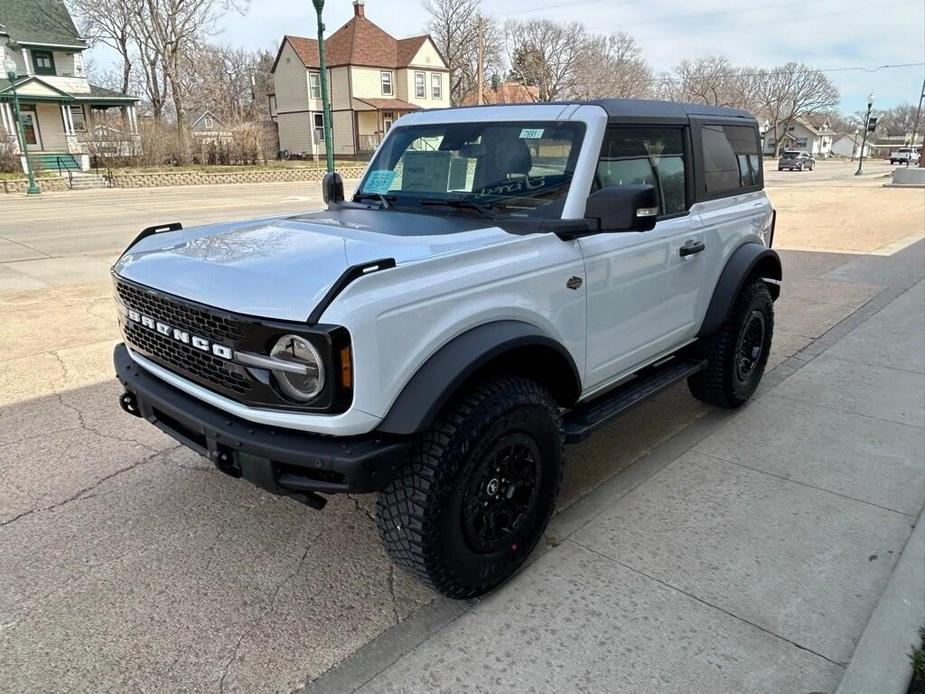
(279, 460)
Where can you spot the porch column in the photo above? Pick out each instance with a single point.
(132, 120)
(66, 117)
(6, 119)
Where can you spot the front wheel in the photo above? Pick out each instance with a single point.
(738, 353)
(478, 490)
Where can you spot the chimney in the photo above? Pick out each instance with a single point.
(359, 8)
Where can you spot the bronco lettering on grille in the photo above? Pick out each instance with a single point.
(179, 335)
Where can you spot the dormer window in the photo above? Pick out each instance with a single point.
(43, 62)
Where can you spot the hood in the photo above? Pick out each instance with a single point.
(282, 267)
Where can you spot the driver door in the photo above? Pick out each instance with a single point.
(642, 293)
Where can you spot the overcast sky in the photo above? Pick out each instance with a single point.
(823, 33)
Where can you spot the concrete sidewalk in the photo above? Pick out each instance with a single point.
(751, 562)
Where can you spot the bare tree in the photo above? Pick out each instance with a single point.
(791, 92)
(168, 31)
(546, 55)
(612, 66)
(230, 82)
(898, 120)
(711, 80)
(108, 22)
(455, 26)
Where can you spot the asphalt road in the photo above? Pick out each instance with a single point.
(128, 563)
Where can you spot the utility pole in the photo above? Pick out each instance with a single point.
(870, 105)
(481, 29)
(915, 128)
(325, 98)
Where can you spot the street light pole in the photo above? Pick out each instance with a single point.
(325, 98)
(9, 66)
(870, 105)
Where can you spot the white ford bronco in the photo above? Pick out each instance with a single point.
(505, 280)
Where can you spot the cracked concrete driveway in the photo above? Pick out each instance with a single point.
(128, 563)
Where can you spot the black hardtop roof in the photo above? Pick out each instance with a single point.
(636, 110)
(645, 108)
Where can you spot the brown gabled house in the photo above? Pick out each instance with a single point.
(374, 78)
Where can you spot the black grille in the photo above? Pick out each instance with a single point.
(180, 315)
(204, 367)
(189, 360)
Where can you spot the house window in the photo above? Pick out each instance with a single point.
(43, 62)
(420, 85)
(801, 143)
(319, 127)
(436, 84)
(386, 78)
(314, 83)
(208, 123)
(78, 118)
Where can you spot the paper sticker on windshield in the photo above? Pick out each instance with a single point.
(531, 133)
(379, 181)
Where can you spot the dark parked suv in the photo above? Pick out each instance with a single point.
(796, 161)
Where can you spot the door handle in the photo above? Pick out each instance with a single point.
(690, 248)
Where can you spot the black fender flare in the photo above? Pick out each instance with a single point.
(749, 260)
(450, 367)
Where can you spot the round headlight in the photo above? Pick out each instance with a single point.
(299, 386)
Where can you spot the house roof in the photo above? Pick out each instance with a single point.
(506, 93)
(358, 42)
(39, 22)
(202, 116)
(96, 94)
(386, 104)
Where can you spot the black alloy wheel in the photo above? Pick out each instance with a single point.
(502, 492)
(751, 346)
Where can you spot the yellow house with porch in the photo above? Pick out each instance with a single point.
(374, 78)
(63, 115)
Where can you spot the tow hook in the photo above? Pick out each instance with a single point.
(129, 403)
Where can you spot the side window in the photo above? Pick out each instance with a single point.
(651, 156)
(730, 158)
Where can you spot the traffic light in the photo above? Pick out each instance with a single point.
(871, 124)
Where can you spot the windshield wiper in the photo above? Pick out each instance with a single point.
(384, 200)
(484, 210)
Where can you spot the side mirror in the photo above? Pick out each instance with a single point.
(623, 208)
(332, 188)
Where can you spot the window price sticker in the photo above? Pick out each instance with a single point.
(531, 133)
(379, 181)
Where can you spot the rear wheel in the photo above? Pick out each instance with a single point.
(478, 490)
(738, 353)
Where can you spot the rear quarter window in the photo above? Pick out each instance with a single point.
(730, 158)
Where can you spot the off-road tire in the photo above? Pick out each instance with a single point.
(421, 514)
(721, 383)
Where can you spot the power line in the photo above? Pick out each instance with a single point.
(733, 73)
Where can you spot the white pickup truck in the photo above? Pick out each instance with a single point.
(905, 155)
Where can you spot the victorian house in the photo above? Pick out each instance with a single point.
(374, 78)
(63, 115)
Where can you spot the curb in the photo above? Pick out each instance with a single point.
(881, 660)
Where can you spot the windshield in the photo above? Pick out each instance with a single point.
(506, 168)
